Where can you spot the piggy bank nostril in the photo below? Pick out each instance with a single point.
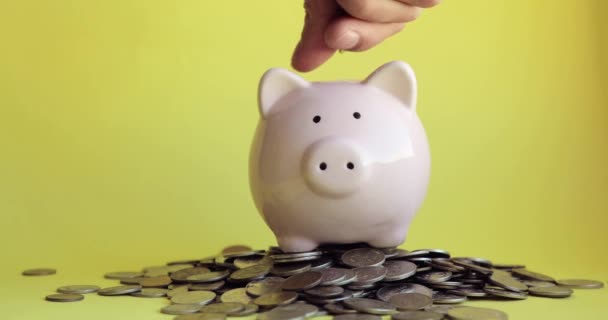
(323, 166)
(350, 166)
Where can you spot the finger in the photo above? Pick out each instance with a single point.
(380, 10)
(421, 3)
(312, 51)
(369, 34)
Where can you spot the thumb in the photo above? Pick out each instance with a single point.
(312, 51)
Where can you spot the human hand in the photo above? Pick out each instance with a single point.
(353, 25)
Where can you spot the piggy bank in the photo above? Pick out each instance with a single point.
(339, 162)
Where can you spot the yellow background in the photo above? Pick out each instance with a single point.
(125, 129)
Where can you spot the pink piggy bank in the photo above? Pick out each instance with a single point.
(339, 162)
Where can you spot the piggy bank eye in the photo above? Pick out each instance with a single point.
(316, 119)
(357, 115)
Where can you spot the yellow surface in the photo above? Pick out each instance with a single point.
(125, 128)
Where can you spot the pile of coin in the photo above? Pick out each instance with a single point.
(347, 281)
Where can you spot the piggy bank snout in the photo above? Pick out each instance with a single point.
(335, 167)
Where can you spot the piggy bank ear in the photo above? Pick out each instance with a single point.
(398, 79)
(275, 84)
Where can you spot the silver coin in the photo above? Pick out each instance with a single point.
(437, 253)
(194, 297)
(257, 288)
(209, 286)
(228, 308)
(331, 276)
(469, 292)
(208, 276)
(441, 308)
(398, 270)
(321, 263)
(447, 298)
(178, 309)
(508, 266)
(236, 295)
(349, 277)
(201, 316)
(251, 261)
(276, 299)
(39, 272)
(472, 266)
(363, 257)
(527, 274)
(155, 282)
(289, 269)
(285, 256)
(499, 292)
(507, 282)
(302, 281)
(580, 283)
(151, 293)
(474, 313)
(336, 308)
(79, 289)
(119, 290)
(434, 276)
(250, 273)
(371, 306)
(236, 248)
(183, 274)
(369, 275)
(250, 309)
(292, 311)
(123, 275)
(177, 290)
(345, 295)
(551, 292)
(536, 283)
(325, 291)
(410, 301)
(64, 297)
(164, 270)
(417, 315)
(357, 316)
(386, 292)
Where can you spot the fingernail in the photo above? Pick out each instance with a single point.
(347, 40)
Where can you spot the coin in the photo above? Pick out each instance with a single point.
(331, 276)
(385, 293)
(64, 297)
(151, 293)
(434, 276)
(368, 275)
(155, 271)
(227, 308)
(289, 269)
(236, 295)
(123, 275)
(370, 306)
(79, 289)
(335, 308)
(193, 297)
(178, 309)
(177, 291)
(363, 257)
(474, 313)
(357, 316)
(580, 283)
(259, 287)
(469, 292)
(235, 248)
(417, 315)
(155, 282)
(209, 286)
(410, 301)
(244, 262)
(302, 281)
(295, 311)
(209, 276)
(398, 270)
(349, 277)
(447, 298)
(507, 282)
(201, 316)
(536, 283)
(250, 309)
(118, 290)
(322, 262)
(551, 292)
(499, 292)
(250, 273)
(183, 274)
(326, 291)
(527, 274)
(276, 298)
(472, 266)
(39, 272)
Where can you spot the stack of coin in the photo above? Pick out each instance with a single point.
(348, 281)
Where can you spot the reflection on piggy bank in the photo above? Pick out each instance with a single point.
(339, 162)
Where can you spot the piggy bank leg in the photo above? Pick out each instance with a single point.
(389, 239)
(296, 244)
